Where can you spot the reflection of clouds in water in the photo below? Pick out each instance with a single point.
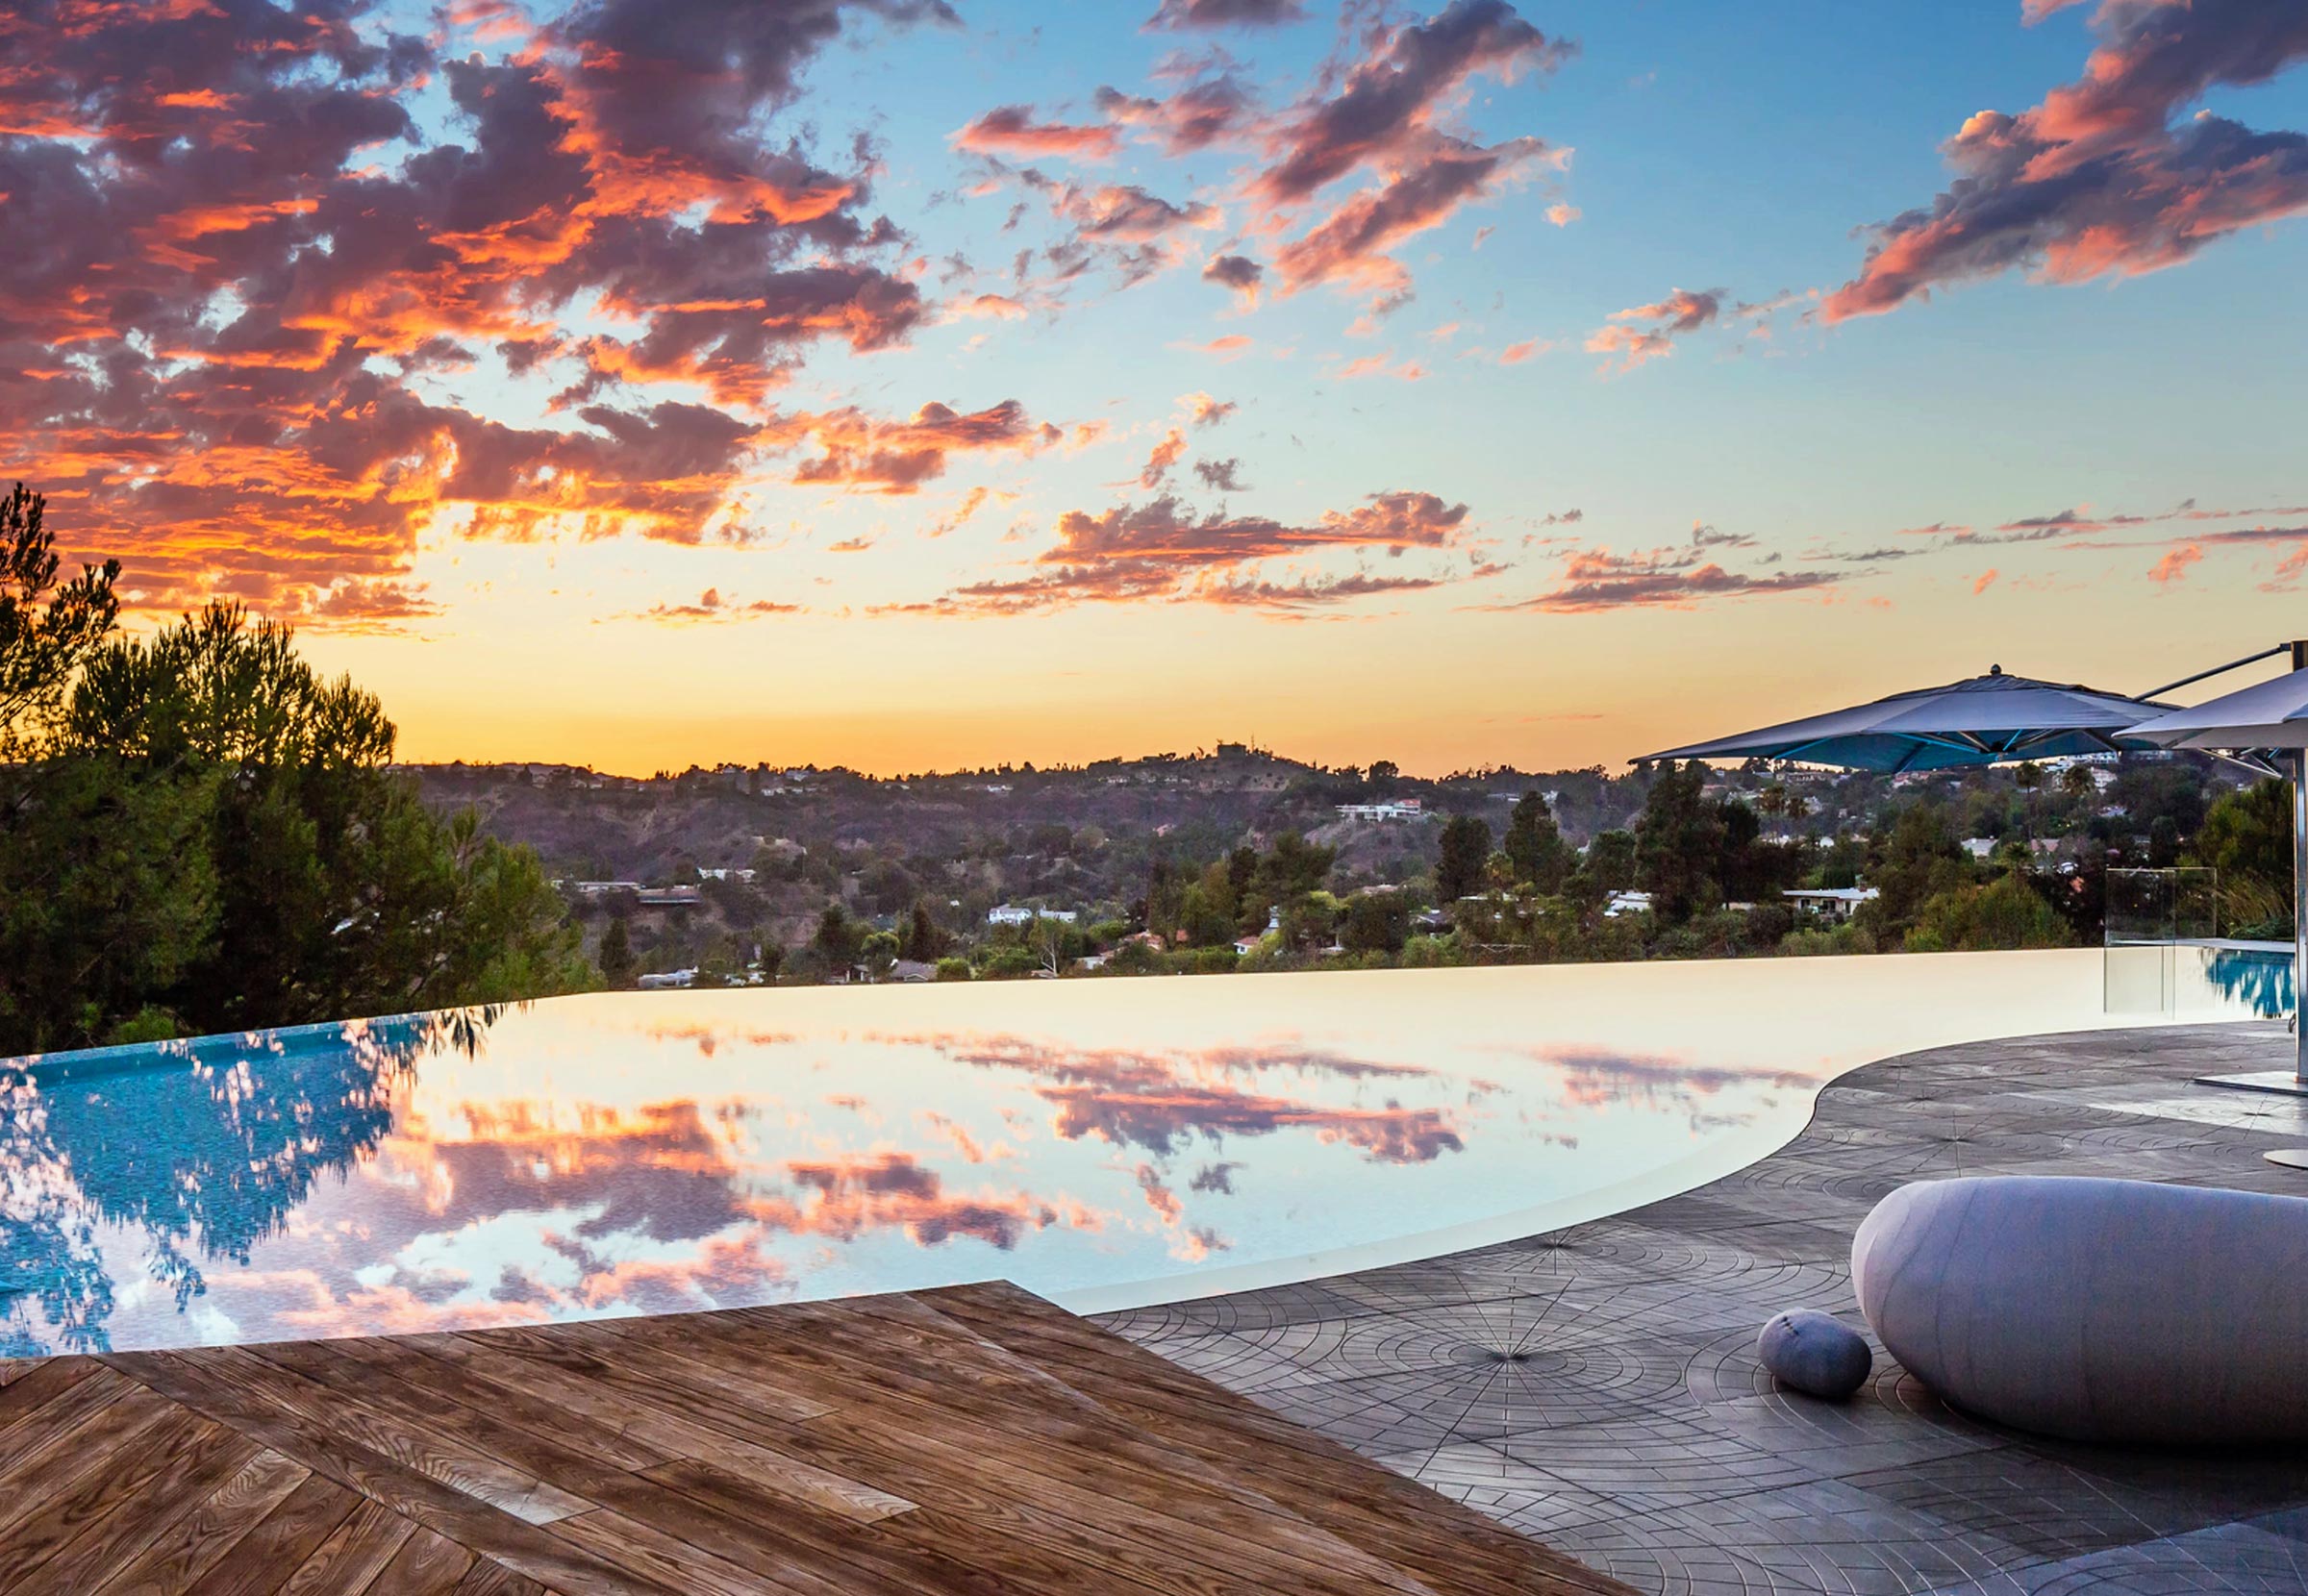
(1592, 1078)
(892, 1190)
(848, 1152)
(972, 1150)
(468, 1212)
(1189, 1243)
(661, 1170)
(706, 1039)
(1131, 1097)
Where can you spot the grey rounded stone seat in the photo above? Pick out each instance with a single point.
(2096, 1309)
(1816, 1354)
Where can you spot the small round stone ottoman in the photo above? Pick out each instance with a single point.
(1815, 1353)
(2096, 1309)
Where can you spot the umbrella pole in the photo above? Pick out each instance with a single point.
(2299, 913)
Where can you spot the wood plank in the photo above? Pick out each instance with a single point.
(413, 1446)
(493, 1578)
(435, 1506)
(354, 1553)
(401, 1361)
(645, 1550)
(1078, 1461)
(40, 1522)
(783, 1475)
(34, 1412)
(280, 1541)
(970, 1443)
(977, 1565)
(195, 1544)
(598, 1349)
(43, 1378)
(1326, 1482)
(52, 1471)
(639, 1418)
(427, 1565)
(982, 1512)
(145, 1509)
(518, 1452)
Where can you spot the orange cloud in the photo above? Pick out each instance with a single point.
(2175, 565)
(1680, 312)
(1158, 551)
(2097, 181)
(1012, 130)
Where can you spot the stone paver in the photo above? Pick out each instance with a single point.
(1598, 1387)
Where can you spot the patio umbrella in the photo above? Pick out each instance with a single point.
(1985, 721)
(2271, 717)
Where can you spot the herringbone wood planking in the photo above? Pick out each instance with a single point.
(951, 1443)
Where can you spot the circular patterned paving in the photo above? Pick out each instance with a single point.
(1599, 1388)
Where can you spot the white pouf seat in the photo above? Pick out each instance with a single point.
(2096, 1309)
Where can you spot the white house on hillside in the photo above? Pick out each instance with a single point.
(1407, 809)
(1835, 903)
(1015, 914)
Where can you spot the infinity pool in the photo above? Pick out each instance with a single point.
(1103, 1142)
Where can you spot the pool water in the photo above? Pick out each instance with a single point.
(1103, 1142)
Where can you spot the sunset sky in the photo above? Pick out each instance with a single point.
(902, 384)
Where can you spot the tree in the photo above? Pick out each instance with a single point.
(839, 938)
(923, 940)
(1611, 860)
(619, 963)
(1466, 850)
(720, 964)
(1916, 860)
(2007, 914)
(2247, 833)
(877, 952)
(1535, 847)
(1678, 844)
(2246, 838)
(46, 631)
(1047, 939)
(221, 828)
(2027, 777)
(1375, 922)
(1165, 896)
(1290, 870)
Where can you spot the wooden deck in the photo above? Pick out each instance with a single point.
(970, 1440)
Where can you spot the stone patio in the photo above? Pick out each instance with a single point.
(1598, 1387)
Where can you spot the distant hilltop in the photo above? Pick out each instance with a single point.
(767, 778)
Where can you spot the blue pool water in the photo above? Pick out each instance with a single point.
(1102, 1142)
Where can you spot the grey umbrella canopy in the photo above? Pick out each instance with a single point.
(2272, 714)
(1985, 721)
(2269, 717)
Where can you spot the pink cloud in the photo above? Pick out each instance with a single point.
(2173, 566)
(1682, 311)
(1384, 120)
(1013, 131)
(2097, 181)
